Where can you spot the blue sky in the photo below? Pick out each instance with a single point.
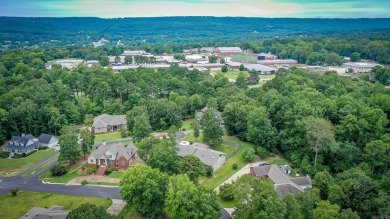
(157, 8)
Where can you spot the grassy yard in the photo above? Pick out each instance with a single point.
(72, 173)
(16, 207)
(227, 149)
(129, 212)
(227, 170)
(190, 137)
(116, 174)
(42, 166)
(103, 183)
(13, 166)
(187, 124)
(226, 204)
(108, 136)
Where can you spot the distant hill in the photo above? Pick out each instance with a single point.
(161, 30)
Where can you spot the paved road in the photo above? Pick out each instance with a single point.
(33, 184)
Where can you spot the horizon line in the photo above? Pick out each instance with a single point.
(318, 17)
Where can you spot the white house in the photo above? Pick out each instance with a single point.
(47, 140)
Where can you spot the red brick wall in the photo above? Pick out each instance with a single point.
(121, 159)
(252, 172)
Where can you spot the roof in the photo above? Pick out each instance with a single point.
(234, 64)
(360, 64)
(285, 167)
(258, 67)
(208, 156)
(266, 55)
(283, 189)
(117, 149)
(283, 183)
(54, 212)
(201, 112)
(105, 120)
(45, 138)
(277, 61)
(229, 49)
(133, 52)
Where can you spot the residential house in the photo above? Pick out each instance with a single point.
(261, 69)
(199, 114)
(209, 157)
(54, 212)
(27, 143)
(283, 183)
(113, 155)
(47, 140)
(109, 123)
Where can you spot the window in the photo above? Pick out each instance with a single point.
(110, 161)
(91, 160)
(117, 161)
(123, 162)
(109, 156)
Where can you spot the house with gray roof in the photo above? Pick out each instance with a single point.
(261, 69)
(283, 183)
(199, 114)
(54, 212)
(209, 157)
(109, 123)
(28, 143)
(113, 155)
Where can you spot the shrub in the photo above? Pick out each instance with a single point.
(227, 191)
(224, 69)
(4, 154)
(84, 182)
(184, 129)
(90, 170)
(85, 165)
(15, 191)
(24, 154)
(262, 152)
(109, 170)
(235, 166)
(59, 169)
(209, 171)
(124, 133)
(43, 147)
(249, 154)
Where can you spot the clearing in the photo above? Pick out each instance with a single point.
(14, 166)
(15, 207)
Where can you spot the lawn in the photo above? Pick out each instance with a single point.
(187, 124)
(227, 170)
(129, 212)
(190, 137)
(108, 136)
(244, 58)
(103, 183)
(10, 167)
(16, 207)
(72, 173)
(41, 166)
(226, 204)
(227, 149)
(116, 174)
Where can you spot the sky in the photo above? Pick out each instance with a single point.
(219, 8)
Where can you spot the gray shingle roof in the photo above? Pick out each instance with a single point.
(105, 120)
(44, 138)
(208, 156)
(283, 189)
(54, 212)
(117, 149)
(258, 67)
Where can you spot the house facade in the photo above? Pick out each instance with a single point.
(113, 155)
(27, 143)
(109, 123)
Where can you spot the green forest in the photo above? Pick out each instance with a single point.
(333, 128)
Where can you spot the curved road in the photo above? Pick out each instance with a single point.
(33, 184)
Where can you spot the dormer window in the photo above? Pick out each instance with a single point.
(109, 156)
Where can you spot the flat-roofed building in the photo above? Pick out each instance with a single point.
(261, 69)
(228, 50)
(133, 53)
(359, 67)
(277, 62)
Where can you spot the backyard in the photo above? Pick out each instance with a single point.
(108, 136)
(13, 166)
(15, 207)
(187, 124)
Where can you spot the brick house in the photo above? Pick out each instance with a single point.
(113, 155)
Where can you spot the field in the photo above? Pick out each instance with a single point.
(15, 207)
(244, 58)
(108, 136)
(10, 167)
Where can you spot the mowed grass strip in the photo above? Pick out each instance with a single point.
(13, 166)
(108, 136)
(15, 207)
